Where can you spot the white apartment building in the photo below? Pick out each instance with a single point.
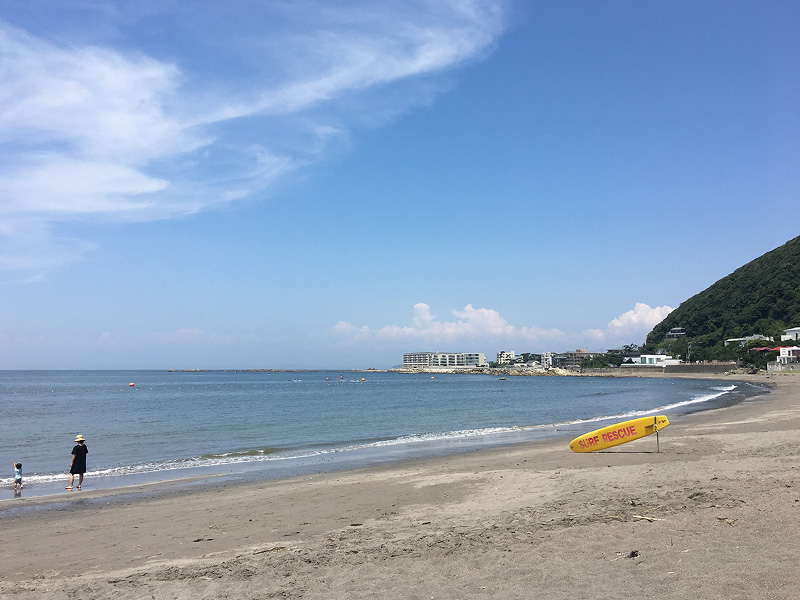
(653, 360)
(791, 334)
(742, 341)
(505, 357)
(789, 354)
(547, 360)
(444, 359)
(675, 333)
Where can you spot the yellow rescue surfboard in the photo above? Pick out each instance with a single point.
(621, 433)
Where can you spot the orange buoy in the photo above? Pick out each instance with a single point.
(130, 384)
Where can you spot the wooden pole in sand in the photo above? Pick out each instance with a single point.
(658, 445)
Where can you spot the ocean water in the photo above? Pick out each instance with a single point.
(265, 424)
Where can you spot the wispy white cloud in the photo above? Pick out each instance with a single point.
(487, 326)
(88, 101)
(95, 132)
(30, 249)
(54, 185)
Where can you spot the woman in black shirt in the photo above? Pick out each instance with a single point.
(77, 465)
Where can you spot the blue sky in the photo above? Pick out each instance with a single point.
(329, 184)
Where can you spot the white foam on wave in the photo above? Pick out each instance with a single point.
(719, 391)
(228, 458)
(728, 388)
(429, 437)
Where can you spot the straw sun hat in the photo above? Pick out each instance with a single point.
(79, 438)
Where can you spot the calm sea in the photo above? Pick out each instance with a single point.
(253, 424)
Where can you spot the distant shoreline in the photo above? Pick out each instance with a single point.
(645, 371)
(274, 370)
(634, 371)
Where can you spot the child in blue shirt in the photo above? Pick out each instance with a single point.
(17, 476)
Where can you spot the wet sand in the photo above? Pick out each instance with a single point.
(713, 515)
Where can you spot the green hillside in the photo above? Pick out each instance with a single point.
(762, 297)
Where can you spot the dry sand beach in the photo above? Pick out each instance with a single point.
(722, 503)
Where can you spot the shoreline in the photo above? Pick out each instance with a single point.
(354, 457)
(699, 519)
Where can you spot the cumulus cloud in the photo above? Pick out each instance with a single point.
(468, 324)
(633, 325)
(351, 332)
(93, 131)
(488, 326)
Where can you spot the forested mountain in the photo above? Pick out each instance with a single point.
(762, 297)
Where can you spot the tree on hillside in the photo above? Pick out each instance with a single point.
(602, 361)
(759, 298)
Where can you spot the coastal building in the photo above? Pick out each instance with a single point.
(791, 334)
(789, 354)
(505, 357)
(627, 354)
(417, 359)
(572, 360)
(448, 360)
(788, 358)
(528, 360)
(742, 341)
(547, 359)
(760, 350)
(652, 360)
(674, 334)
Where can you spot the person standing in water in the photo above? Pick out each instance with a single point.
(77, 465)
(17, 476)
